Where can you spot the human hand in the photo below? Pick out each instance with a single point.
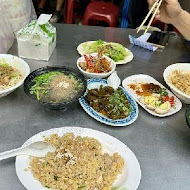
(169, 11)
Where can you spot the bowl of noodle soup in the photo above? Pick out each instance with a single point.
(55, 87)
(13, 71)
(177, 77)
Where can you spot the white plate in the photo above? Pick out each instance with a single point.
(80, 48)
(141, 78)
(95, 83)
(128, 180)
(126, 60)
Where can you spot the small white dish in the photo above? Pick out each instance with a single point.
(96, 75)
(141, 78)
(19, 64)
(127, 59)
(95, 83)
(128, 180)
(185, 67)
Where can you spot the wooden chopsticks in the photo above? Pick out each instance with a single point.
(156, 6)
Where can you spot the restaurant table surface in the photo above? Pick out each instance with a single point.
(162, 145)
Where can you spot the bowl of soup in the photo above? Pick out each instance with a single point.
(55, 87)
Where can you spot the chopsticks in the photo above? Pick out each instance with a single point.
(156, 6)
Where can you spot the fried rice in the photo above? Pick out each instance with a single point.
(77, 164)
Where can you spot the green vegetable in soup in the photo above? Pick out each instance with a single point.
(45, 78)
(39, 88)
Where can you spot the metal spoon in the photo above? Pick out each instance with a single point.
(37, 149)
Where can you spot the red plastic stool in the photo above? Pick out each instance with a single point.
(101, 11)
(70, 7)
(69, 11)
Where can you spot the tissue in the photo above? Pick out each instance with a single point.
(37, 39)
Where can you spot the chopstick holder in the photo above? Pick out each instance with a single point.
(142, 42)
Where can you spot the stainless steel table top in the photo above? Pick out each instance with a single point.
(162, 145)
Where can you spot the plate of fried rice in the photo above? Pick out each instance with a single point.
(84, 159)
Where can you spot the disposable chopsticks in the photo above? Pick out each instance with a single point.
(156, 6)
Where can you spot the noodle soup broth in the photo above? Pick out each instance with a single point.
(56, 87)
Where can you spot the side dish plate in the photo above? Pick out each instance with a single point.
(141, 78)
(128, 180)
(96, 75)
(95, 83)
(129, 58)
(16, 63)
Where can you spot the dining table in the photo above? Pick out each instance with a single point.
(161, 145)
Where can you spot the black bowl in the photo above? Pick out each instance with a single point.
(187, 115)
(55, 106)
